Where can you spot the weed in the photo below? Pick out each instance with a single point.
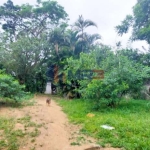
(9, 135)
(24, 120)
(11, 138)
(74, 143)
(33, 140)
(35, 133)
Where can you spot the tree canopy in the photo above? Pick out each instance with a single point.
(34, 37)
(139, 21)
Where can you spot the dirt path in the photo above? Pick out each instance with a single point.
(56, 133)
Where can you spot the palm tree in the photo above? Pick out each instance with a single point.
(90, 39)
(80, 25)
(73, 39)
(59, 37)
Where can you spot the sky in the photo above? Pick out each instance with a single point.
(105, 13)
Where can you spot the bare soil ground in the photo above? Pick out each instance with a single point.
(55, 133)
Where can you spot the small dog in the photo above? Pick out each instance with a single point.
(48, 101)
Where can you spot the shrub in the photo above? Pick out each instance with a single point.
(122, 76)
(10, 88)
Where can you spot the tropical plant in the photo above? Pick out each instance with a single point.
(80, 25)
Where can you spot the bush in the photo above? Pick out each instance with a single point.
(122, 76)
(10, 88)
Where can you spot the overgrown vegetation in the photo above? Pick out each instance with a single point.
(130, 120)
(122, 76)
(37, 45)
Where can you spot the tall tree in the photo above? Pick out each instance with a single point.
(25, 45)
(80, 25)
(90, 39)
(30, 19)
(139, 21)
(58, 36)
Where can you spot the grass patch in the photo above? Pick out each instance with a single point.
(12, 138)
(15, 132)
(131, 120)
(35, 133)
(24, 101)
(8, 135)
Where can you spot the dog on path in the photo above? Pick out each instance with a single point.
(48, 101)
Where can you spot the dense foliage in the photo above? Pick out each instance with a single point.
(37, 44)
(122, 76)
(36, 37)
(10, 88)
(139, 21)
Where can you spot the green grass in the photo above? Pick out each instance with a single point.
(24, 101)
(12, 138)
(8, 135)
(131, 120)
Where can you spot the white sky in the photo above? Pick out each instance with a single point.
(105, 13)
